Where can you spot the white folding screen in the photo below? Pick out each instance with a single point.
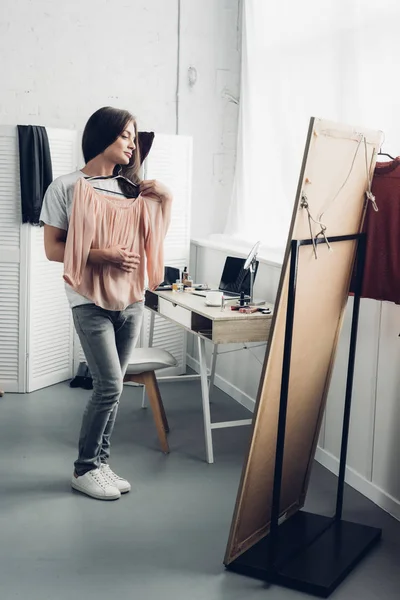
(12, 268)
(49, 341)
(170, 161)
(37, 342)
(35, 321)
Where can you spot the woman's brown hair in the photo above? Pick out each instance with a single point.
(101, 130)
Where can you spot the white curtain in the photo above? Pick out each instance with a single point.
(334, 59)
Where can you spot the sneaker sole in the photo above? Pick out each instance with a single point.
(77, 488)
(124, 490)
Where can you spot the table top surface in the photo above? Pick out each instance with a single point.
(198, 304)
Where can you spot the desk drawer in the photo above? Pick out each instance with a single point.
(180, 315)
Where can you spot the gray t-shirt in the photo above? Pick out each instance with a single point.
(57, 207)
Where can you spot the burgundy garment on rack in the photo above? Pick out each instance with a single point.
(382, 262)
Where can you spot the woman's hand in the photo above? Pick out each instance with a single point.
(152, 187)
(120, 257)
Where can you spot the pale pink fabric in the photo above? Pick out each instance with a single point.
(101, 221)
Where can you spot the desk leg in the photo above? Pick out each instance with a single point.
(205, 399)
(213, 365)
(149, 345)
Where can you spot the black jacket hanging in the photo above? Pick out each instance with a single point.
(36, 172)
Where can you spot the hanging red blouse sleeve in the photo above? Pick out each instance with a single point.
(80, 234)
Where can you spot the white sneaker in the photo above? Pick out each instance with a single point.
(122, 484)
(95, 484)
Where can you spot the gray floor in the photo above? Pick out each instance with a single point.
(167, 538)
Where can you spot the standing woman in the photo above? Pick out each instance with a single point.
(102, 222)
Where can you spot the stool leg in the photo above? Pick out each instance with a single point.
(161, 405)
(154, 396)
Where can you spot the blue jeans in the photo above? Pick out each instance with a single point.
(107, 338)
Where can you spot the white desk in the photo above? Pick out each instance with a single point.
(208, 323)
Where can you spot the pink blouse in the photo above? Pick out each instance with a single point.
(102, 221)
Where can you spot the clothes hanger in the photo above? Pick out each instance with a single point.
(380, 153)
(90, 179)
(386, 154)
(108, 191)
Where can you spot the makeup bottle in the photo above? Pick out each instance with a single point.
(185, 276)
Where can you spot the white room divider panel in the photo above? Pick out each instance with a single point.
(35, 322)
(50, 347)
(12, 270)
(170, 161)
(37, 344)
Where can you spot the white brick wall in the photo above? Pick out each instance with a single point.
(60, 61)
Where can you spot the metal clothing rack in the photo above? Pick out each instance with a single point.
(310, 552)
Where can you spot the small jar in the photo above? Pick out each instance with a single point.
(179, 285)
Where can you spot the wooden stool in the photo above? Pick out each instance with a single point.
(144, 362)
